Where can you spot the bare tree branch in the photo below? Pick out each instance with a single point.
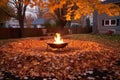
(6, 12)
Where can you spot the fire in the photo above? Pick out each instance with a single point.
(58, 39)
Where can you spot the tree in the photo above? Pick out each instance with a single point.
(59, 9)
(87, 22)
(20, 7)
(5, 13)
(29, 20)
(87, 7)
(75, 9)
(69, 9)
(4, 10)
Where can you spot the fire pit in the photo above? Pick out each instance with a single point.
(58, 43)
(53, 45)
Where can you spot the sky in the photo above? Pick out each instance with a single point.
(32, 12)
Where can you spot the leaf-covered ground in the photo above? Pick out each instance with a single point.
(87, 57)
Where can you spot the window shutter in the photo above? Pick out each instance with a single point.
(102, 22)
(118, 22)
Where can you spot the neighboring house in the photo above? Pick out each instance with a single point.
(102, 23)
(13, 23)
(38, 23)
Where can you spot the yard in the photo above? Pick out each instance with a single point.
(86, 57)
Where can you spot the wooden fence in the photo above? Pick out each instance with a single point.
(34, 32)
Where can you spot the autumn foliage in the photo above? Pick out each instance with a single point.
(78, 8)
(75, 8)
(62, 9)
(30, 57)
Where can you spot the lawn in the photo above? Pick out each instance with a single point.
(87, 57)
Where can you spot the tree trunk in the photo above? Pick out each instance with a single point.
(21, 22)
(62, 23)
(95, 22)
(21, 17)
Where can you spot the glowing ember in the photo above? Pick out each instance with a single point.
(58, 39)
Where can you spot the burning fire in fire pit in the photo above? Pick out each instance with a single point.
(58, 39)
(58, 43)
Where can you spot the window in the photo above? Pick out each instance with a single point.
(107, 22)
(110, 22)
(113, 22)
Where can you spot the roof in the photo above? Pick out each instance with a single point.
(111, 1)
(38, 21)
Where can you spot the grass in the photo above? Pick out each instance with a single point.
(108, 40)
(112, 41)
(101, 38)
(96, 37)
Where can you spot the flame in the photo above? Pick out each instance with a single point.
(58, 39)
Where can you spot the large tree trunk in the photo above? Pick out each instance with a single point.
(60, 13)
(21, 17)
(61, 23)
(95, 22)
(21, 22)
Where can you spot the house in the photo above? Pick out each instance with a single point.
(38, 23)
(102, 23)
(13, 23)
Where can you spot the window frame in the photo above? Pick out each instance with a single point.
(110, 22)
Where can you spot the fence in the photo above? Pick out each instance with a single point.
(34, 32)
